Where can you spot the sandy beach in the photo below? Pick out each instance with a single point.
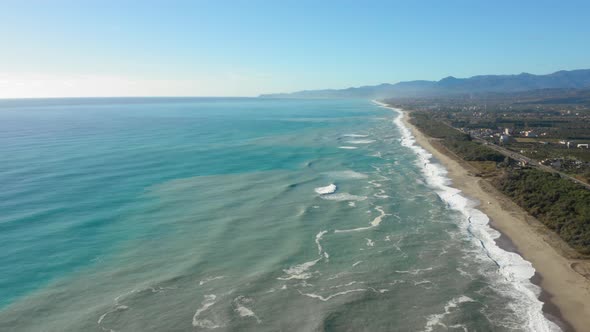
(562, 276)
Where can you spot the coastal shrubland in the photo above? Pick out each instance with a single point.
(456, 141)
(560, 204)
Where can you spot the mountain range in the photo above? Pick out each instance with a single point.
(573, 79)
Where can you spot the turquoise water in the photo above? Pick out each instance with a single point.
(239, 214)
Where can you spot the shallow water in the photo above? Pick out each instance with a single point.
(240, 214)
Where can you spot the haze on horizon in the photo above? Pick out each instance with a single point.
(245, 48)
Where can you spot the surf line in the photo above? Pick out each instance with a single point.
(514, 268)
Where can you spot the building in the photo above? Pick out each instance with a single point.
(583, 145)
(504, 139)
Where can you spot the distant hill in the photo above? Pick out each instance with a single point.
(574, 79)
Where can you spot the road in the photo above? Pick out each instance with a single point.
(531, 162)
(520, 157)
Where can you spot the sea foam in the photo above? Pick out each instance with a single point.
(514, 269)
(240, 307)
(329, 189)
(361, 141)
(374, 223)
(208, 301)
(344, 197)
(301, 271)
(329, 297)
(436, 320)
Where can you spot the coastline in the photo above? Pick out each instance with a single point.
(565, 292)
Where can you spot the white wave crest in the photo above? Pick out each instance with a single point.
(301, 271)
(343, 197)
(329, 189)
(375, 222)
(360, 141)
(240, 303)
(434, 320)
(208, 301)
(321, 251)
(516, 271)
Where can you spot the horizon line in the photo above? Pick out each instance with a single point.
(123, 97)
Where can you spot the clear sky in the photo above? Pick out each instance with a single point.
(243, 48)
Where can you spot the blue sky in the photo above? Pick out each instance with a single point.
(243, 48)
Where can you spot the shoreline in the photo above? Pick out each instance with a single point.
(564, 292)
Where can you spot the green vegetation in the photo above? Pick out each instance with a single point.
(536, 124)
(454, 140)
(561, 205)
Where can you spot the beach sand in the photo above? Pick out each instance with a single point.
(561, 273)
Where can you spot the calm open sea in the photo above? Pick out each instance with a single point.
(198, 214)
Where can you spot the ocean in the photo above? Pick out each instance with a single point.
(241, 214)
